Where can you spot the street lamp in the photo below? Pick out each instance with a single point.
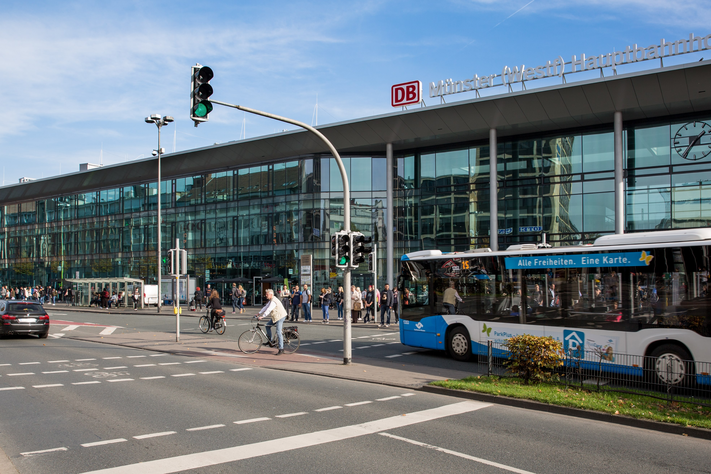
(159, 121)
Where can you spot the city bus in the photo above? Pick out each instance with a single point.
(642, 294)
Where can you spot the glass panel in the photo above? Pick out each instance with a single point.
(599, 212)
(427, 172)
(648, 147)
(336, 182)
(218, 187)
(452, 168)
(380, 174)
(598, 152)
(361, 174)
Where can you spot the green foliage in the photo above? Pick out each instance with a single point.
(534, 357)
(24, 268)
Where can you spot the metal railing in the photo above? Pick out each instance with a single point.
(663, 378)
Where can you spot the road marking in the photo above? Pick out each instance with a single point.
(400, 355)
(154, 435)
(5, 365)
(154, 377)
(407, 395)
(21, 373)
(158, 355)
(145, 365)
(210, 427)
(328, 408)
(181, 375)
(358, 403)
(387, 398)
(189, 362)
(101, 443)
(70, 328)
(107, 331)
(114, 357)
(117, 367)
(84, 370)
(241, 370)
(135, 357)
(319, 342)
(377, 345)
(28, 363)
(120, 380)
(12, 388)
(56, 336)
(252, 420)
(53, 450)
(455, 453)
(249, 451)
(365, 347)
(86, 383)
(396, 342)
(336, 340)
(82, 360)
(305, 343)
(49, 385)
(169, 363)
(56, 372)
(213, 372)
(289, 415)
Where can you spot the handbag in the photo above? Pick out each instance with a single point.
(357, 306)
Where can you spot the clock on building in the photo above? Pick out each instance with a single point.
(693, 141)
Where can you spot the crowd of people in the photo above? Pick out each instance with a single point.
(41, 294)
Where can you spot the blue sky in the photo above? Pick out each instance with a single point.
(81, 76)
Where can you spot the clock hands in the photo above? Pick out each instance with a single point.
(693, 143)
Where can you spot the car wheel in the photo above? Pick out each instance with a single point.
(44, 335)
(459, 344)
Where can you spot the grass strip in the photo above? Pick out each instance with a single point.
(635, 406)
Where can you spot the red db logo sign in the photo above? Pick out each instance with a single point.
(406, 93)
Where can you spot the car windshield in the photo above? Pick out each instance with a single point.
(24, 308)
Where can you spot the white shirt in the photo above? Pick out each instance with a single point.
(268, 308)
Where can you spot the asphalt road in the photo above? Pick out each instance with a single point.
(77, 406)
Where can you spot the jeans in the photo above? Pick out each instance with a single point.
(279, 325)
(240, 303)
(295, 312)
(383, 310)
(306, 307)
(449, 307)
(369, 310)
(340, 310)
(325, 312)
(234, 304)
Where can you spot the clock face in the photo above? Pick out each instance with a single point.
(693, 141)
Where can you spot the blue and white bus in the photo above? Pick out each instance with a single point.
(642, 294)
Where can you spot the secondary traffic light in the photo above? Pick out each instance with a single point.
(343, 249)
(371, 262)
(359, 251)
(200, 90)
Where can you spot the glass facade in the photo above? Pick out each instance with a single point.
(258, 220)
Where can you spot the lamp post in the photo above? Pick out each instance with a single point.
(159, 121)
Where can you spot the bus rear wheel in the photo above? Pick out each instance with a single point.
(671, 365)
(459, 344)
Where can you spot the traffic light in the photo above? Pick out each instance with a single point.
(371, 262)
(343, 249)
(359, 251)
(200, 90)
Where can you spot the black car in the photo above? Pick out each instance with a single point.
(23, 317)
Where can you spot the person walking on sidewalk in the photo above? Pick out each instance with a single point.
(235, 298)
(136, 298)
(306, 303)
(396, 305)
(386, 304)
(276, 311)
(295, 303)
(197, 298)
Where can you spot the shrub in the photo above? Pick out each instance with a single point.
(534, 357)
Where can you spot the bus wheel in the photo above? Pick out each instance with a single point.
(460, 347)
(671, 365)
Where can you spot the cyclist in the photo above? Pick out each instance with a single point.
(216, 306)
(275, 310)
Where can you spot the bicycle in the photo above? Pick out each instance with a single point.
(205, 324)
(252, 340)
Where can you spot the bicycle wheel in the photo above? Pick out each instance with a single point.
(292, 340)
(220, 326)
(250, 341)
(204, 324)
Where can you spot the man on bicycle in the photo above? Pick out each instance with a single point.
(275, 310)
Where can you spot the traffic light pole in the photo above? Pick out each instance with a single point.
(347, 354)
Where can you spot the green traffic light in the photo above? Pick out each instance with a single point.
(343, 260)
(202, 109)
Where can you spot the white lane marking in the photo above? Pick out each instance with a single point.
(336, 340)
(213, 372)
(190, 362)
(169, 363)
(154, 435)
(84, 370)
(49, 385)
(396, 342)
(289, 415)
(182, 375)
(101, 443)
(407, 395)
(107, 331)
(241, 370)
(328, 408)
(200, 428)
(86, 383)
(120, 380)
(455, 453)
(377, 345)
(158, 355)
(363, 337)
(154, 377)
(387, 398)
(56, 372)
(305, 343)
(117, 367)
(145, 365)
(82, 360)
(5, 365)
(358, 403)
(21, 373)
(44, 451)
(56, 361)
(236, 453)
(251, 420)
(365, 347)
(12, 388)
(28, 363)
(135, 357)
(319, 342)
(70, 328)
(114, 357)
(56, 336)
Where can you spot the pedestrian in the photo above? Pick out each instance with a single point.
(369, 304)
(325, 303)
(306, 303)
(105, 298)
(386, 299)
(339, 303)
(295, 303)
(356, 304)
(207, 294)
(136, 298)
(242, 300)
(197, 298)
(235, 297)
(285, 296)
(396, 305)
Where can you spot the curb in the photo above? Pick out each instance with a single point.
(569, 411)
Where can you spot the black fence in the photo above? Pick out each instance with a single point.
(666, 378)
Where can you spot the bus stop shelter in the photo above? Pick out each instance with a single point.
(85, 288)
